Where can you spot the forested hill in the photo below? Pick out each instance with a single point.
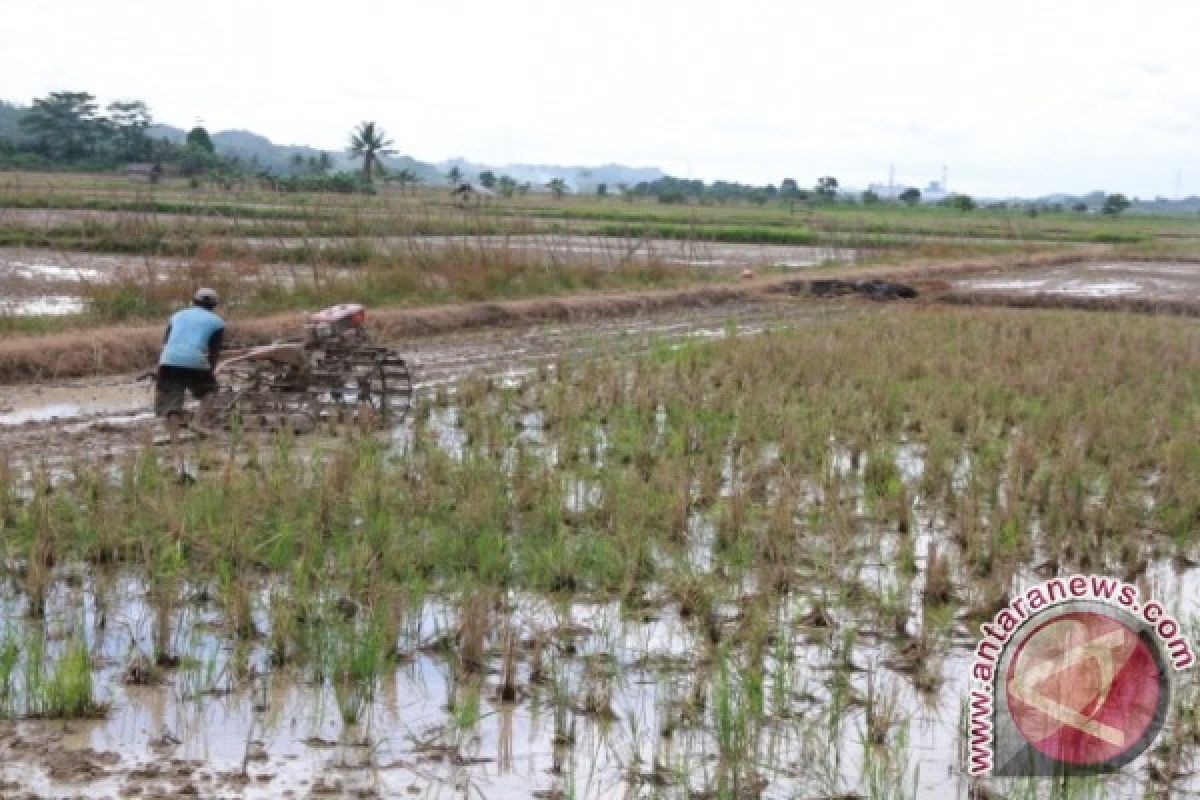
(250, 147)
(75, 133)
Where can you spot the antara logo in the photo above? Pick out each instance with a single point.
(1072, 677)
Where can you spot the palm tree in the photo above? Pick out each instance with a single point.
(558, 187)
(370, 143)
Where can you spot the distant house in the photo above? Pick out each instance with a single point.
(149, 173)
(467, 193)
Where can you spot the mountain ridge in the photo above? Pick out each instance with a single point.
(256, 148)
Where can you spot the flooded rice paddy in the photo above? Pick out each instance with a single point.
(29, 286)
(605, 251)
(45, 282)
(726, 566)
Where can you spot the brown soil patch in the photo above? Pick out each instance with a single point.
(1143, 285)
(62, 765)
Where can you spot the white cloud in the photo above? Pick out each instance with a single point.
(1019, 97)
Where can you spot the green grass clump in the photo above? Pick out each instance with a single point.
(34, 685)
(1119, 237)
(740, 234)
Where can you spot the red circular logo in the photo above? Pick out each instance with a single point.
(1084, 688)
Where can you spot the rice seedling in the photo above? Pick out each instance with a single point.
(37, 683)
(474, 625)
(356, 659)
(732, 729)
(887, 773)
(68, 692)
(10, 654)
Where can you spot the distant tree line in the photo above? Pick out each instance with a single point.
(69, 130)
(826, 191)
(681, 190)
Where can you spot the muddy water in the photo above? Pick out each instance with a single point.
(1148, 281)
(32, 287)
(42, 305)
(610, 715)
(43, 282)
(701, 254)
(35, 264)
(65, 402)
(287, 732)
(605, 251)
(41, 264)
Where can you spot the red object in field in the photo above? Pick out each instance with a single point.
(343, 320)
(343, 315)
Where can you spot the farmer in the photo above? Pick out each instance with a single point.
(191, 347)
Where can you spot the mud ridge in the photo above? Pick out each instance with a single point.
(1142, 305)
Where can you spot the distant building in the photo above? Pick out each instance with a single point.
(887, 191)
(934, 192)
(467, 193)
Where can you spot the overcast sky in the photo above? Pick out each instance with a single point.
(1012, 97)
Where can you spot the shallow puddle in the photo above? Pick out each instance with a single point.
(51, 272)
(42, 305)
(1157, 281)
(118, 402)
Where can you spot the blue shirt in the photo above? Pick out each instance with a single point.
(188, 337)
